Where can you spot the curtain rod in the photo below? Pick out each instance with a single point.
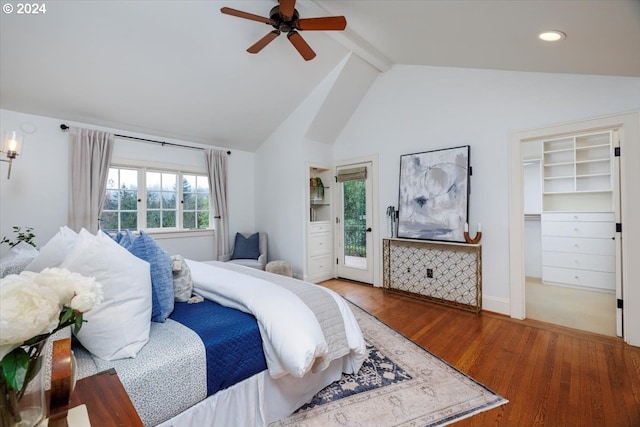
(65, 127)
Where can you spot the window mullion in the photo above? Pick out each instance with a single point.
(142, 196)
(179, 202)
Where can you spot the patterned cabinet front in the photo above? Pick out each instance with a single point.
(441, 272)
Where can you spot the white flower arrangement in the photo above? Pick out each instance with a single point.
(33, 306)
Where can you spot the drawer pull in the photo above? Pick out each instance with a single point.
(576, 245)
(576, 229)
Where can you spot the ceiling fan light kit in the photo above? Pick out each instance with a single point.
(285, 19)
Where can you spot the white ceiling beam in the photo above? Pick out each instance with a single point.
(347, 38)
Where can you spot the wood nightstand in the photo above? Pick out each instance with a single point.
(108, 404)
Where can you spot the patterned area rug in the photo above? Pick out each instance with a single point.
(400, 384)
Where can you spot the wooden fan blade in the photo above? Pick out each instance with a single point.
(245, 15)
(260, 44)
(301, 46)
(286, 8)
(327, 23)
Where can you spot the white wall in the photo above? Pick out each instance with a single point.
(37, 193)
(281, 178)
(412, 109)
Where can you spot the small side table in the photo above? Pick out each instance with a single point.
(108, 403)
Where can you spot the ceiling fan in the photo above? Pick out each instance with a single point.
(285, 19)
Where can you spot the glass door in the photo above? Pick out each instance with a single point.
(354, 223)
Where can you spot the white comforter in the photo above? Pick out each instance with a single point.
(293, 340)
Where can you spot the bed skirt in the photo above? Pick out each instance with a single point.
(256, 401)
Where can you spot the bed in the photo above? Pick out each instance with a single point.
(257, 348)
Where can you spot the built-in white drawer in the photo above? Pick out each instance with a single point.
(589, 279)
(320, 227)
(320, 265)
(578, 216)
(319, 244)
(579, 229)
(580, 245)
(579, 261)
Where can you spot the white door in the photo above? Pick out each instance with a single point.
(354, 222)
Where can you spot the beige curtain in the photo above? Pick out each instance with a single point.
(217, 172)
(90, 157)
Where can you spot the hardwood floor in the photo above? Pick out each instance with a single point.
(552, 376)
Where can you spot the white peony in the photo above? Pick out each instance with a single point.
(75, 290)
(31, 303)
(26, 310)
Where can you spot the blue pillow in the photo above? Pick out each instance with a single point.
(144, 247)
(246, 247)
(126, 239)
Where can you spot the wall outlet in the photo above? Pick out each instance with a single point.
(430, 273)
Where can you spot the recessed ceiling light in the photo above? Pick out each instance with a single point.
(551, 35)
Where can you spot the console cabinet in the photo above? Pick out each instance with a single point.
(441, 272)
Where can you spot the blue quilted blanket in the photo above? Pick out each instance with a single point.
(231, 339)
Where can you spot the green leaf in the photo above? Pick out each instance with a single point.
(78, 324)
(14, 368)
(66, 315)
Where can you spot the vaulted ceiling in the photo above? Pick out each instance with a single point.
(179, 69)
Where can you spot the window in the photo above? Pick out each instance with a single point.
(161, 200)
(141, 198)
(195, 201)
(120, 210)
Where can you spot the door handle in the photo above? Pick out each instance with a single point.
(368, 230)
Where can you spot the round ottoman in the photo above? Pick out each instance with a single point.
(279, 267)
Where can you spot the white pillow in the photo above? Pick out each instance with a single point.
(55, 250)
(119, 327)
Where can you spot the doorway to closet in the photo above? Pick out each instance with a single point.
(572, 251)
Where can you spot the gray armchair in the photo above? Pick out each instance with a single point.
(238, 256)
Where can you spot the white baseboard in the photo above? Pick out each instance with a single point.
(497, 305)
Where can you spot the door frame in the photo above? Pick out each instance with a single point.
(629, 128)
(375, 220)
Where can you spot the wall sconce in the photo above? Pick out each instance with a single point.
(11, 147)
